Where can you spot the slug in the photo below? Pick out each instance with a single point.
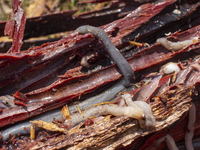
(117, 57)
(175, 46)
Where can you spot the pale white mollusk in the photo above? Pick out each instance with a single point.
(174, 46)
(169, 141)
(136, 109)
(149, 123)
(189, 134)
(106, 110)
(170, 68)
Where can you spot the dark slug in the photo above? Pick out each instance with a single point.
(117, 57)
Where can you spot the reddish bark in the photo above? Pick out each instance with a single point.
(61, 91)
(21, 96)
(15, 28)
(88, 122)
(11, 63)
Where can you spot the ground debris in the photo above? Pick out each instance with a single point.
(48, 126)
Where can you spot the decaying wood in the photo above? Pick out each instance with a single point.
(118, 132)
(169, 108)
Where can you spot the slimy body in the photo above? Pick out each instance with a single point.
(117, 57)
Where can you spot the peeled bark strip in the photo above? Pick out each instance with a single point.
(134, 20)
(15, 28)
(167, 22)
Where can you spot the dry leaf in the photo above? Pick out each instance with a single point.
(36, 9)
(32, 133)
(48, 126)
(5, 39)
(65, 112)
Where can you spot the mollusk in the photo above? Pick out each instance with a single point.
(170, 68)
